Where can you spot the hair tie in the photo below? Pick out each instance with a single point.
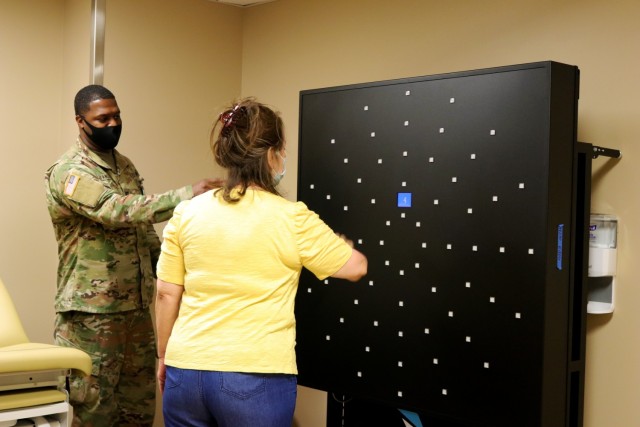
(230, 118)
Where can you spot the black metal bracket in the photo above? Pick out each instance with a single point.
(607, 152)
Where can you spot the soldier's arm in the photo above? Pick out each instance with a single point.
(81, 192)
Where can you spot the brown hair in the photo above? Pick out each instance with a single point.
(240, 141)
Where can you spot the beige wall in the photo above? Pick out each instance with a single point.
(75, 53)
(173, 63)
(31, 73)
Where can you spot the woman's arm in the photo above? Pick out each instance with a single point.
(355, 267)
(168, 298)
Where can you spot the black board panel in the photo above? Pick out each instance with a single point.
(459, 189)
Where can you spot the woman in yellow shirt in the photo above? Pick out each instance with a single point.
(227, 278)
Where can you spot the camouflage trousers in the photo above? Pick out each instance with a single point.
(121, 388)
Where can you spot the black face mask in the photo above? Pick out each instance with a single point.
(106, 138)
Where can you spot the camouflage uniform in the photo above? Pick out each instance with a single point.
(107, 253)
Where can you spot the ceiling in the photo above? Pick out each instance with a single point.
(242, 3)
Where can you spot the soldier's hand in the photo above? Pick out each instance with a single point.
(205, 185)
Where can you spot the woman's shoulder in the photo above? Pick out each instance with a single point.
(292, 205)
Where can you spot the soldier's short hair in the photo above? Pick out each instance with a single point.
(87, 95)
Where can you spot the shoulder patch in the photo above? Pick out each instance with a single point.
(71, 184)
(83, 190)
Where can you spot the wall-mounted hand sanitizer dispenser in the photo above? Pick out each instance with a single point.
(603, 255)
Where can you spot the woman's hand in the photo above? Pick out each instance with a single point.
(162, 374)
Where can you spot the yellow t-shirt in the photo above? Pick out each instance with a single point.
(239, 265)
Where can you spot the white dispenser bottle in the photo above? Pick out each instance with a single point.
(603, 255)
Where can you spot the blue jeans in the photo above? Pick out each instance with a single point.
(228, 399)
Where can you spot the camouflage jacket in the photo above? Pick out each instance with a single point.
(107, 246)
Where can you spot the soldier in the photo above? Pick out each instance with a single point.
(107, 253)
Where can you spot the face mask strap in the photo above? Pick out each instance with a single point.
(279, 175)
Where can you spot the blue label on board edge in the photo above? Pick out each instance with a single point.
(559, 251)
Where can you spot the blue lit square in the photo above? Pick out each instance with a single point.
(404, 200)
